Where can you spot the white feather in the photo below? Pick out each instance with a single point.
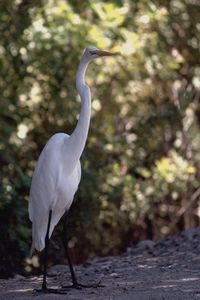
(58, 170)
(52, 187)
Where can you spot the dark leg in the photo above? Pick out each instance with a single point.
(44, 288)
(44, 284)
(65, 244)
(75, 283)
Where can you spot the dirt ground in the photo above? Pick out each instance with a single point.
(153, 270)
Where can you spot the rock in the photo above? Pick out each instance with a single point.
(190, 233)
(114, 275)
(19, 277)
(146, 245)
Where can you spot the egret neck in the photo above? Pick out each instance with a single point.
(79, 136)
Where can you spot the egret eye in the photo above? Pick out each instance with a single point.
(92, 52)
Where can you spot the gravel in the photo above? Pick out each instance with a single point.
(154, 270)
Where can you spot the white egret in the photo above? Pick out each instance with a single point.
(58, 173)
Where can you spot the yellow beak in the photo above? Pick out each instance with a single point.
(103, 53)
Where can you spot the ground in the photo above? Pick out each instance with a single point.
(153, 270)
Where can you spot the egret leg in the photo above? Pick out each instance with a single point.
(75, 283)
(44, 288)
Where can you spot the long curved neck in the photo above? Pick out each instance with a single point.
(79, 136)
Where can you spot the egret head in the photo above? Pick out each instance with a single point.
(89, 54)
(92, 53)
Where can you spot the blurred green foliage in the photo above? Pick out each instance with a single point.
(141, 166)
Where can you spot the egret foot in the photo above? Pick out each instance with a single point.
(79, 286)
(75, 284)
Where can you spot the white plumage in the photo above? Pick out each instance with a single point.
(58, 170)
(52, 188)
